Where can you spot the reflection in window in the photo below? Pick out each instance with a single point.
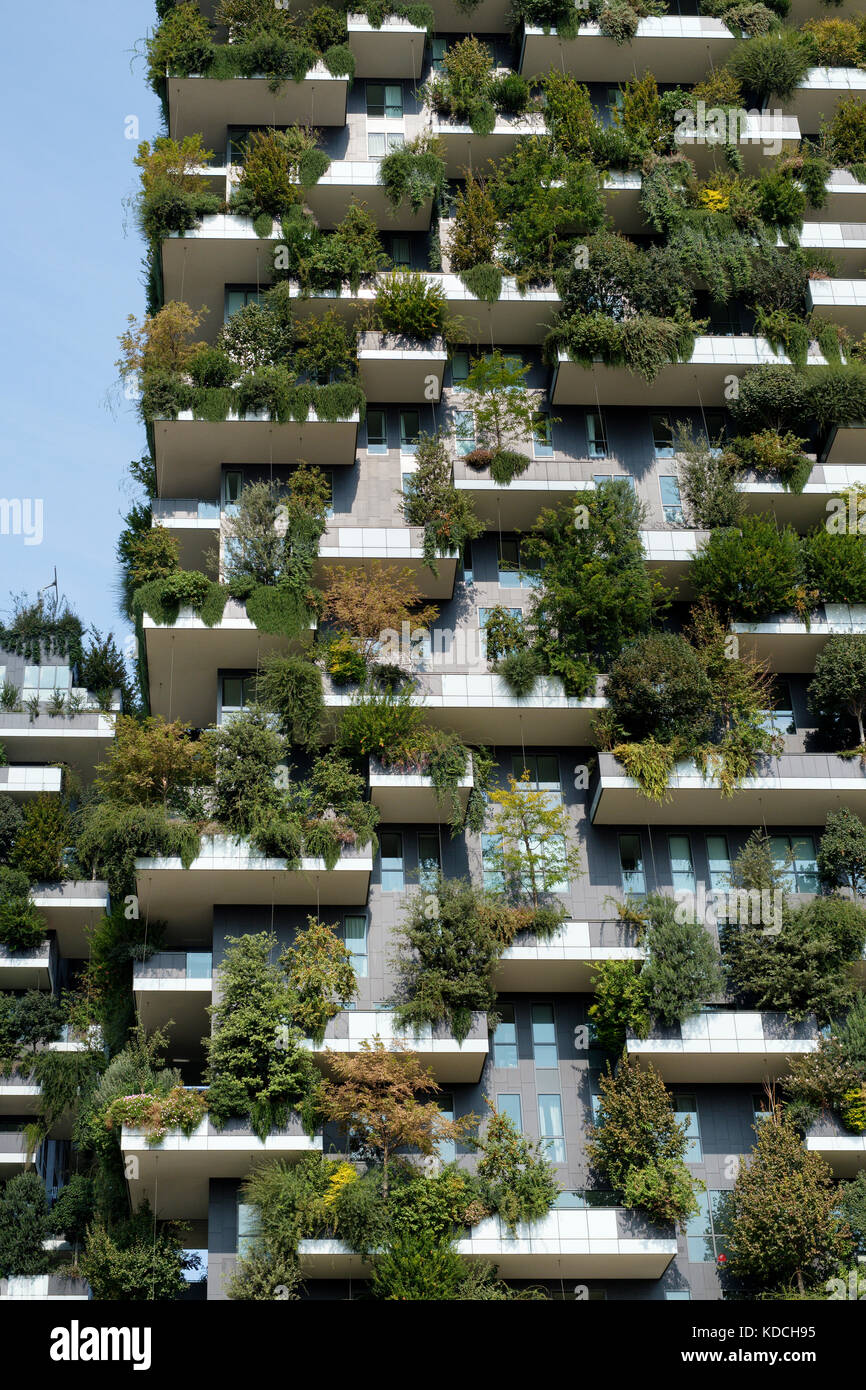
(355, 934)
(505, 1038)
(550, 1127)
(686, 1111)
(392, 861)
(631, 864)
(544, 1036)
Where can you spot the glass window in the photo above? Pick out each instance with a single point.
(238, 692)
(550, 1126)
(355, 936)
(543, 769)
(672, 502)
(429, 863)
(505, 1038)
(595, 1105)
(483, 615)
(466, 562)
(410, 428)
(464, 430)
(704, 1240)
(631, 864)
(794, 857)
(377, 432)
(490, 870)
(446, 1149)
(459, 369)
(385, 101)
(248, 1226)
(401, 252)
(780, 718)
(609, 477)
(677, 1295)
(714, 426)
(596, 435)
(382, 142)
(238, 297)
(392, 862)
(682, 868)
(544, 1036)
(686, 1111)
(760, 1107)
(663, 436)
(510, 1105)
(513, 573)
(439, 47)
(233, 486)
(542, 444)
(719, 860)
(44, 680)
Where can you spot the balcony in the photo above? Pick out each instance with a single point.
(704, 377)
(622, 189)
(844, 241)
(394, 50)
(23, 782)
(846, 448)
(437, 1049)
(196, 525)
(19, 1095)
(32, 968)
(189, 453)
(69, 908)
(463, 149)
(410, 797)
(815, 99)
(399, 370)
(224, 249)
(347, 179)
(758, 136)
(229, 871)
(567, 961)
(805, 509)
(846, 199)
(845, 1152)
(795, 789)
(515, 506)
(725, 1046)
(175, 1176)
(789, 645)
(841, 301)
(209, 105)
(480, 708)
(669, 554)
(47, 1288)
(175, 987)
(592, 1243)
(676, 48)
(13, 1147)
(184, 659)
(81, 739)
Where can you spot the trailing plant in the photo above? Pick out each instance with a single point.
(620, 1006)
(155, 1115)
(112, 836)
(410, 304)
(414, 173)
(291, 686)
(42, 628)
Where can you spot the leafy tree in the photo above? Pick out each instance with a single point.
(45, 832)
(659, 686)
(11, 820)
(757, 867)
(842, 852)
(708, 475)
(21, 924)
(506, 412)
(431, 500)
(28, 1021)
(247, 752)
(683, 971)
(638, 1146)
(73, 1211)
(751, 572)
(531, 857)
(151, 760)
(517, 1178)
(161, 341)
(783, 1222)
(620, 1006)
(321, 977)
(376, 1096)
(838, 688)
(417, 1265)
(475, 230)
(138, 1260)
(852, 1208)
(373, 603)
(24, 1225)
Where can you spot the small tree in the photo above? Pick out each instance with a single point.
(620, 1006)
(21, 924)
(506, 412)
(161, 340)
(475, 228)
(432, 501)
(376, 1096)
(838, 687)
(24, 1225)
(709, 481)
(150, 760)
(372, 603)
(417, 1265)
(783, 1222)
(247, 752)
(517, 1176)
(660, 687)
(531, 856)
(842, 852)
(45, 832)
(139, 1260)
(683, 971)
(753, 571)
(321, 977)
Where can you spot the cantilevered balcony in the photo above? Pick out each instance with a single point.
(25, 781)
(398, 370)
(194, 522)
(675, 48)
(47, 1288)
(410, 797)
(788, 644)
(705, 376)
(189, 453)
(669, 555)
(588, 1243)
(69, 909)
(621, 189)
(841, 301)
(463, 149)
(175, 988)
(846, 199)
(209, 105)
(845, 1152)
(793, 789)
(515, 506)
(175, 1176)
(30, 968)
(844, 241)
(81, 739)
(327, 200)
(757, 136)
(230, 871)
(816, 96)
(448, 1059)
(812, 506)
(846, 448)
(567, 961)
(393, 50)
(730, 1046)
(184, 659)
(224, 249)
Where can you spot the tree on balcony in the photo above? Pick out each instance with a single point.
(837, 691)
(531, 856)
(24, 1225)
(842, 853)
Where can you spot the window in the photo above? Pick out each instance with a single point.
(385, 101)
(686, 1111)
(410, 428)
(595, 1105)
(446, 1149)
(542, 444)
(459, 369)
(466, 563)
(794, 857)
(760, 1107)
(704, 1239)
(719, 860)
(355, 937)
(490, 870)
(543, 769)
(505, 1038)
(714, 426)
(464, 431)
(233, 486)
(614, 103)
(439, 47)
(677, 1296)
(550, 1126)
(631, 864)
(239, 296)
(780, 718)
(609, 477)
(663, 436)
(392, 862)
(238, 692)
(236, 144)
(513, 573)
(682, 868)
(401, 252)
(382, 142)
(43, 681)
(596, 435)
(429, 862)
(377, 432)
(544, 1036)
(248, 1226)
(672, 502)
(510, 1105)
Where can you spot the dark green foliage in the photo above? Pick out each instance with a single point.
(162, 599)
(111, 837)
(842, 852)
(24, 1225)
(417, 1266)
(751, 572)
(28, 1020)
(431, 500)
(410, 304)
(139, 1260)
(483, 281)
(291, 686)
(852, 1208)
(835, 565)
(45, 833)
(682, 973)
(837, 691)
(21, 925)
(542, 201)
(619, 1008)
(74, 1209)
(42, 629)
(11, 820)
(772, 64)
(520, 671)
(326, 260)
(516, 1178)
(660, 686)
(413, 173)
(247, 751)
(102, 668)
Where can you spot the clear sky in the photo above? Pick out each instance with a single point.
(72, 262)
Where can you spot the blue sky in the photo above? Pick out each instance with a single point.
(72, 258)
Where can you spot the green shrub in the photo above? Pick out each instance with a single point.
(846, 134)
(181, 45)
(835, 565)
(292, 687)
(24, 1225)
(413, 173)
(772, 64)
(11, 820)
(619, 1008)
(683, 972)
(752, 572)
(212, 368)
(517, 1178)
(44, 835)
(842, 848)
(21, 925)
(805, 968)
(111, 837)
(483, 282)
(659, 686)
(408, 303)
(381, 722)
